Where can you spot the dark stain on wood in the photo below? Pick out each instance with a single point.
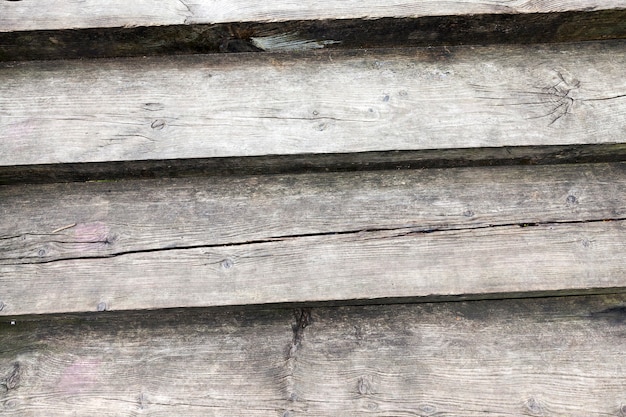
(303, 319)
(345, 33)
(614, 315)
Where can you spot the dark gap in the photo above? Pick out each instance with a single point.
(612, 313)
(313, 163)
(347, 33)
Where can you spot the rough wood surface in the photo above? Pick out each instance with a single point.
(57, 14)
(532, 357)
(314, 237)
(222, 106)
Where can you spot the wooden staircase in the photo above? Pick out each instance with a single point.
(218, 208)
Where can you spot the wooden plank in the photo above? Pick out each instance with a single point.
(312, 238)
(512, 260)
(556, 356)
(136, 216)
(56, 14)
(303, 35)
(321, 103)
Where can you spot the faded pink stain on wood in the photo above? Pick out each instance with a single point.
(89, 237)
(17, 133)
(80, 376)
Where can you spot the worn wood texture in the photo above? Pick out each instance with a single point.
(254, 105)
(551, 357)
(57, 14)
(315, 237)
(302, 35)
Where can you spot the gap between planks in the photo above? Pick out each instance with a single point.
(313, 163)
(308, 35)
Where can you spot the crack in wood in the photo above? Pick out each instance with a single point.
(303, 320)
(605, 98)
(363, 234)
(186, 7)
(555, 96)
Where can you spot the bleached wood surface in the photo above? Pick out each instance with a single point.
(254, 105)
(57, 14)
(306, 238)
(554, 356)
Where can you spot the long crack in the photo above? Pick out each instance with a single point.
(362, 233)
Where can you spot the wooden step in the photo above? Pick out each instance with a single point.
(340, 237)
(261, 105)
(553, 356)
(56, 14)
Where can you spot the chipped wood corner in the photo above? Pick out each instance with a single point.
(289, 42)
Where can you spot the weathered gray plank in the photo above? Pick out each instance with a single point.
(57, 14)
(554, 259)
(194, 364)
(559, 356)
(221, 106)
(490, 358)
(112, 218)
(316, 237)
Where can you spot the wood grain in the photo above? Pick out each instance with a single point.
(110, 218)
(555, 356)
(321, 103)
(56, 14)
(312, 238)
